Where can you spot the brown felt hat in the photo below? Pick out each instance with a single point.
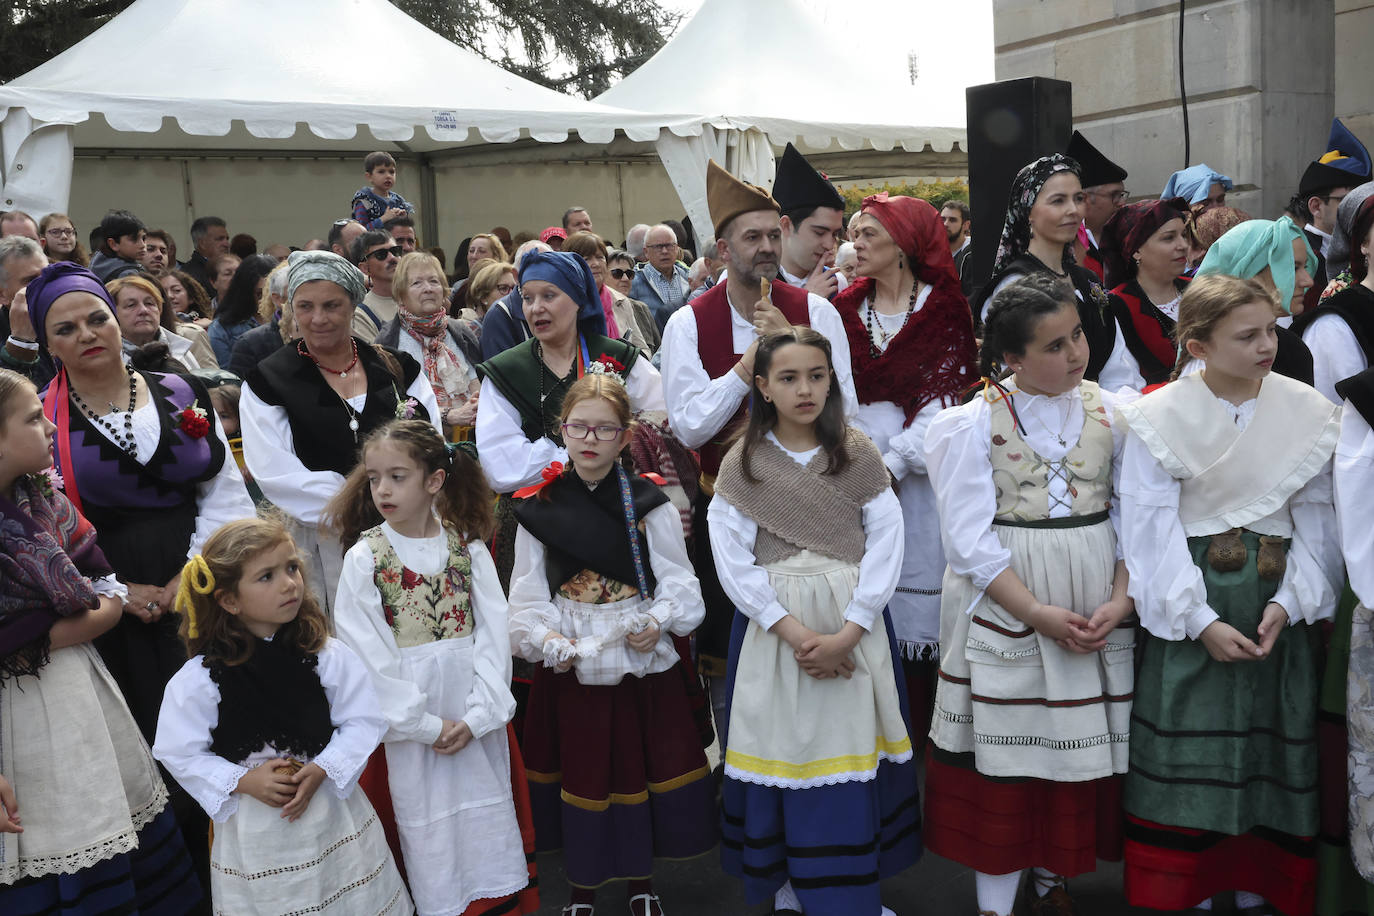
(727, 197)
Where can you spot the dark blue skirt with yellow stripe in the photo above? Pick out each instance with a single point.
(154, 879)
(835, 843)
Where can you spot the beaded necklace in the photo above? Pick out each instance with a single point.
(123, 438)
(341, 373)
(874, 342)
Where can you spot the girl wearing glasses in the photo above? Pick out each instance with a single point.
(518, 431)
(601, 582)
(59, 240)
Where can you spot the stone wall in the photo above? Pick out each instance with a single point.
(1260, 100)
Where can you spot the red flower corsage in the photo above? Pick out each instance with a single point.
(550, 474)
(194, 422)
(611, 363)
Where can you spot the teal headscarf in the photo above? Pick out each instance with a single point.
(1249, 247)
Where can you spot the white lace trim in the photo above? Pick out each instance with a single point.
(815, 782)
(341, 778)
(485, 895)
(918, 651)
(224, 793)
(81, 859)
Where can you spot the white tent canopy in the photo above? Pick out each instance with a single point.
(766, 72)
(328, 66)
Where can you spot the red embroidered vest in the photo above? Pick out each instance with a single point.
(716, 347)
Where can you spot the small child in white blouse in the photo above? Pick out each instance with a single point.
(819, 799)
(268, 727)
(1033, 703)
(601, 582)
(420, 602)
(1229, 531)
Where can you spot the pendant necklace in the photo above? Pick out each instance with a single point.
(123, 438)
(341, 373)
(875, 342)
(352, 416)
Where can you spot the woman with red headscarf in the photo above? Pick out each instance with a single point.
(911, 344)
(1145, 252)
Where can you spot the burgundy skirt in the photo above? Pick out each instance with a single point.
(998, 825)
(1172, 868)
(617, 774)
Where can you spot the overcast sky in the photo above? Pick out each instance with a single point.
(951, 38)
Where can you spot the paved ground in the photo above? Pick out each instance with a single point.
(934, 887)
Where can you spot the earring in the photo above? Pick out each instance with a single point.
(767, 399)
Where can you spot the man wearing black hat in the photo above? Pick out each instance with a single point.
(812, 217)
(1104, 191)
(1324, 184)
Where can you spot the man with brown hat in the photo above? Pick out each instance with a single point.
(708, 368)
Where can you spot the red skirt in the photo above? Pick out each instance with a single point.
(998, 825)
(1173, 868)
(374, 784)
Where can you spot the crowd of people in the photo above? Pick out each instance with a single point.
(335, 578)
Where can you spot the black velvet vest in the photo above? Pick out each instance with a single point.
(318, 417)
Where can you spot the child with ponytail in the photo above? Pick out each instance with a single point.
(1033, 706)
(268, 727)
(420, 602)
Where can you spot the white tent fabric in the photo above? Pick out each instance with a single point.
(754, 71)
(332, 65)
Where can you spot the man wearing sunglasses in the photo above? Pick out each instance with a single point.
(376, 253)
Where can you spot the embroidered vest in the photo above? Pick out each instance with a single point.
(1022, 477)
(716, 347)
(516, 374)
(423, 609)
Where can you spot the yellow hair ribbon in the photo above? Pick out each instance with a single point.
(195, 577)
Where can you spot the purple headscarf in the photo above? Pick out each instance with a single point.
(56, 281)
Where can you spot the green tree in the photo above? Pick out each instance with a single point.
(936, 192)
(575, 46)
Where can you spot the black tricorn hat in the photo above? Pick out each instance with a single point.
(1096, 168)
(799, 185)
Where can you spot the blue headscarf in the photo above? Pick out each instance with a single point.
(1194, 183)
(570, 273)
(56, 281)
(1249, 247)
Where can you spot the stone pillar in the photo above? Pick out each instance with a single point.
(1260, 78)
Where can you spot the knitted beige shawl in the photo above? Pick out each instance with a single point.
(801, 508)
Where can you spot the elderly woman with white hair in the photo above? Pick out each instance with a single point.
(306, 408)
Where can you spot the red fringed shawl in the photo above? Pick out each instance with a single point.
(932, 358)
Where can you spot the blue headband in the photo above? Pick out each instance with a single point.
(54, 282)
(570, 273)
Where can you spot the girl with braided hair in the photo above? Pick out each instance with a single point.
(1033, 704)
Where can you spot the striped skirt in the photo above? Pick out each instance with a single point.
(1222, 789)
(153, 879)
(617, 775)
(835, 843)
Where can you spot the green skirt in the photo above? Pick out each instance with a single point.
(1227, 746)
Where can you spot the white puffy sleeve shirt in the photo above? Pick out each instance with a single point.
(958, 449)
(700, 406)
(677, 606)
(511, 461)
(1354, 494)
(361, 625)
(269, 451)
(190, 711)
(746, 583)
(1167, 586)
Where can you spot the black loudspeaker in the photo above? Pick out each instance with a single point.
(1010, 124)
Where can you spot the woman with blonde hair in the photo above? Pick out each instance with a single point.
(145, 319)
